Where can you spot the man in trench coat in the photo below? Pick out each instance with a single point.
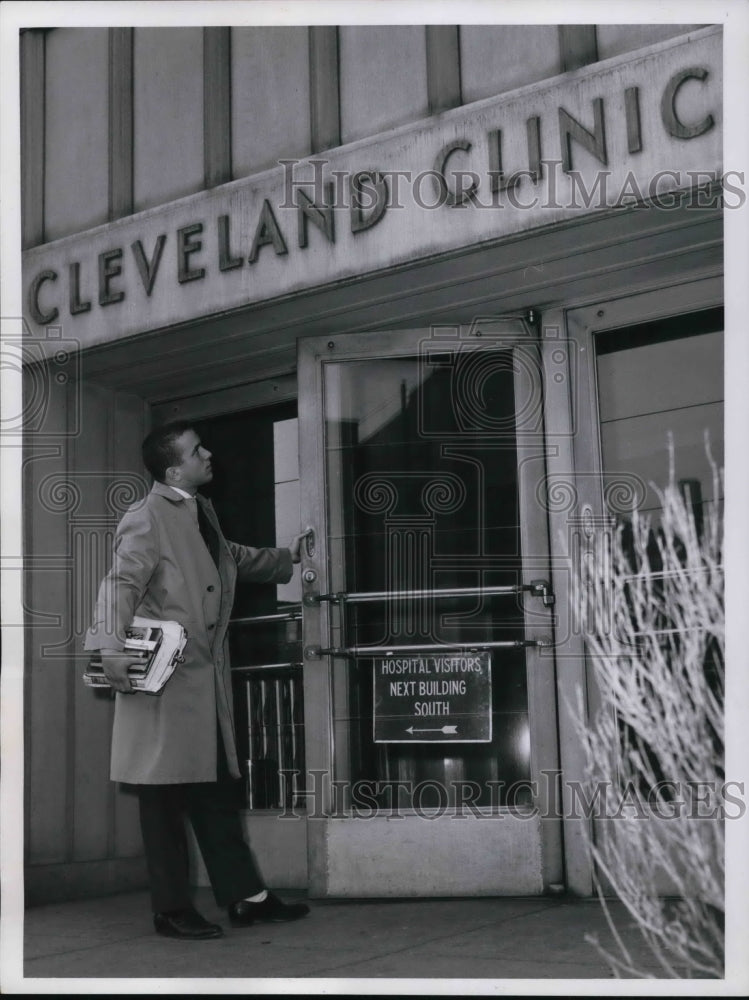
(178, 748)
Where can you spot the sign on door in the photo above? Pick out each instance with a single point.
(443, 698)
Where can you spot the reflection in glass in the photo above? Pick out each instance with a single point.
(421, 466)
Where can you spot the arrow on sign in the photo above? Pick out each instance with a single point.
(447, 730)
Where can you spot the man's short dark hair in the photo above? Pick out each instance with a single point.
(159, 448)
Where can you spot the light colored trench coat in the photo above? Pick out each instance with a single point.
(162, 569)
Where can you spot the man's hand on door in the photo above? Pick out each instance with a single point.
(295, 546)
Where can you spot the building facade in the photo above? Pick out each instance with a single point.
(439, 293)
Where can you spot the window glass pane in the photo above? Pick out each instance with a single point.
(408, 511)
(659, 382)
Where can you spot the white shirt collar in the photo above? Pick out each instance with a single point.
(183, 493)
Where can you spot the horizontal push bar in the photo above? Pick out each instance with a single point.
(538, 588)
(315, 652)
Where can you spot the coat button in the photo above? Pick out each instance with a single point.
(210, 589)
(210, 627)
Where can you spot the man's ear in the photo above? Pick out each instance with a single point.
(172, 474)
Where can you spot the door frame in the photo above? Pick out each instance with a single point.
(329, 830)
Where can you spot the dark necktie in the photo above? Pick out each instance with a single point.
(209, 533)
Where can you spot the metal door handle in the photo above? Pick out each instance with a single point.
(309, 542)
(315, 652)
(537, 588)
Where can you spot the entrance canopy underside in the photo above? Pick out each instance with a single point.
(622, 250)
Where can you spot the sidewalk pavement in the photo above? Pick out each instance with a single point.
(454, 940)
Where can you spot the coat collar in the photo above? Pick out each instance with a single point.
(162, 490)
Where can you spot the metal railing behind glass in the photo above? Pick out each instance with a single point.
(269, 707)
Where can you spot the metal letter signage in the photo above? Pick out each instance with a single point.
(643, 131)
(445, 698)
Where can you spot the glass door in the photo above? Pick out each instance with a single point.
(430, 717)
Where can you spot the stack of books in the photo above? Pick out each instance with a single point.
(158, 646)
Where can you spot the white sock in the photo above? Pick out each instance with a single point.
(261, 896)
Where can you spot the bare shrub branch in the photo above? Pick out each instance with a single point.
(650, 595)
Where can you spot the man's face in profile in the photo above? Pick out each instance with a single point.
(195, 468)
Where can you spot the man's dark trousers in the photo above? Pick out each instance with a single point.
(213, 811)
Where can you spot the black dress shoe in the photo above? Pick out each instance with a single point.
(271, 910)
(186, 924)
